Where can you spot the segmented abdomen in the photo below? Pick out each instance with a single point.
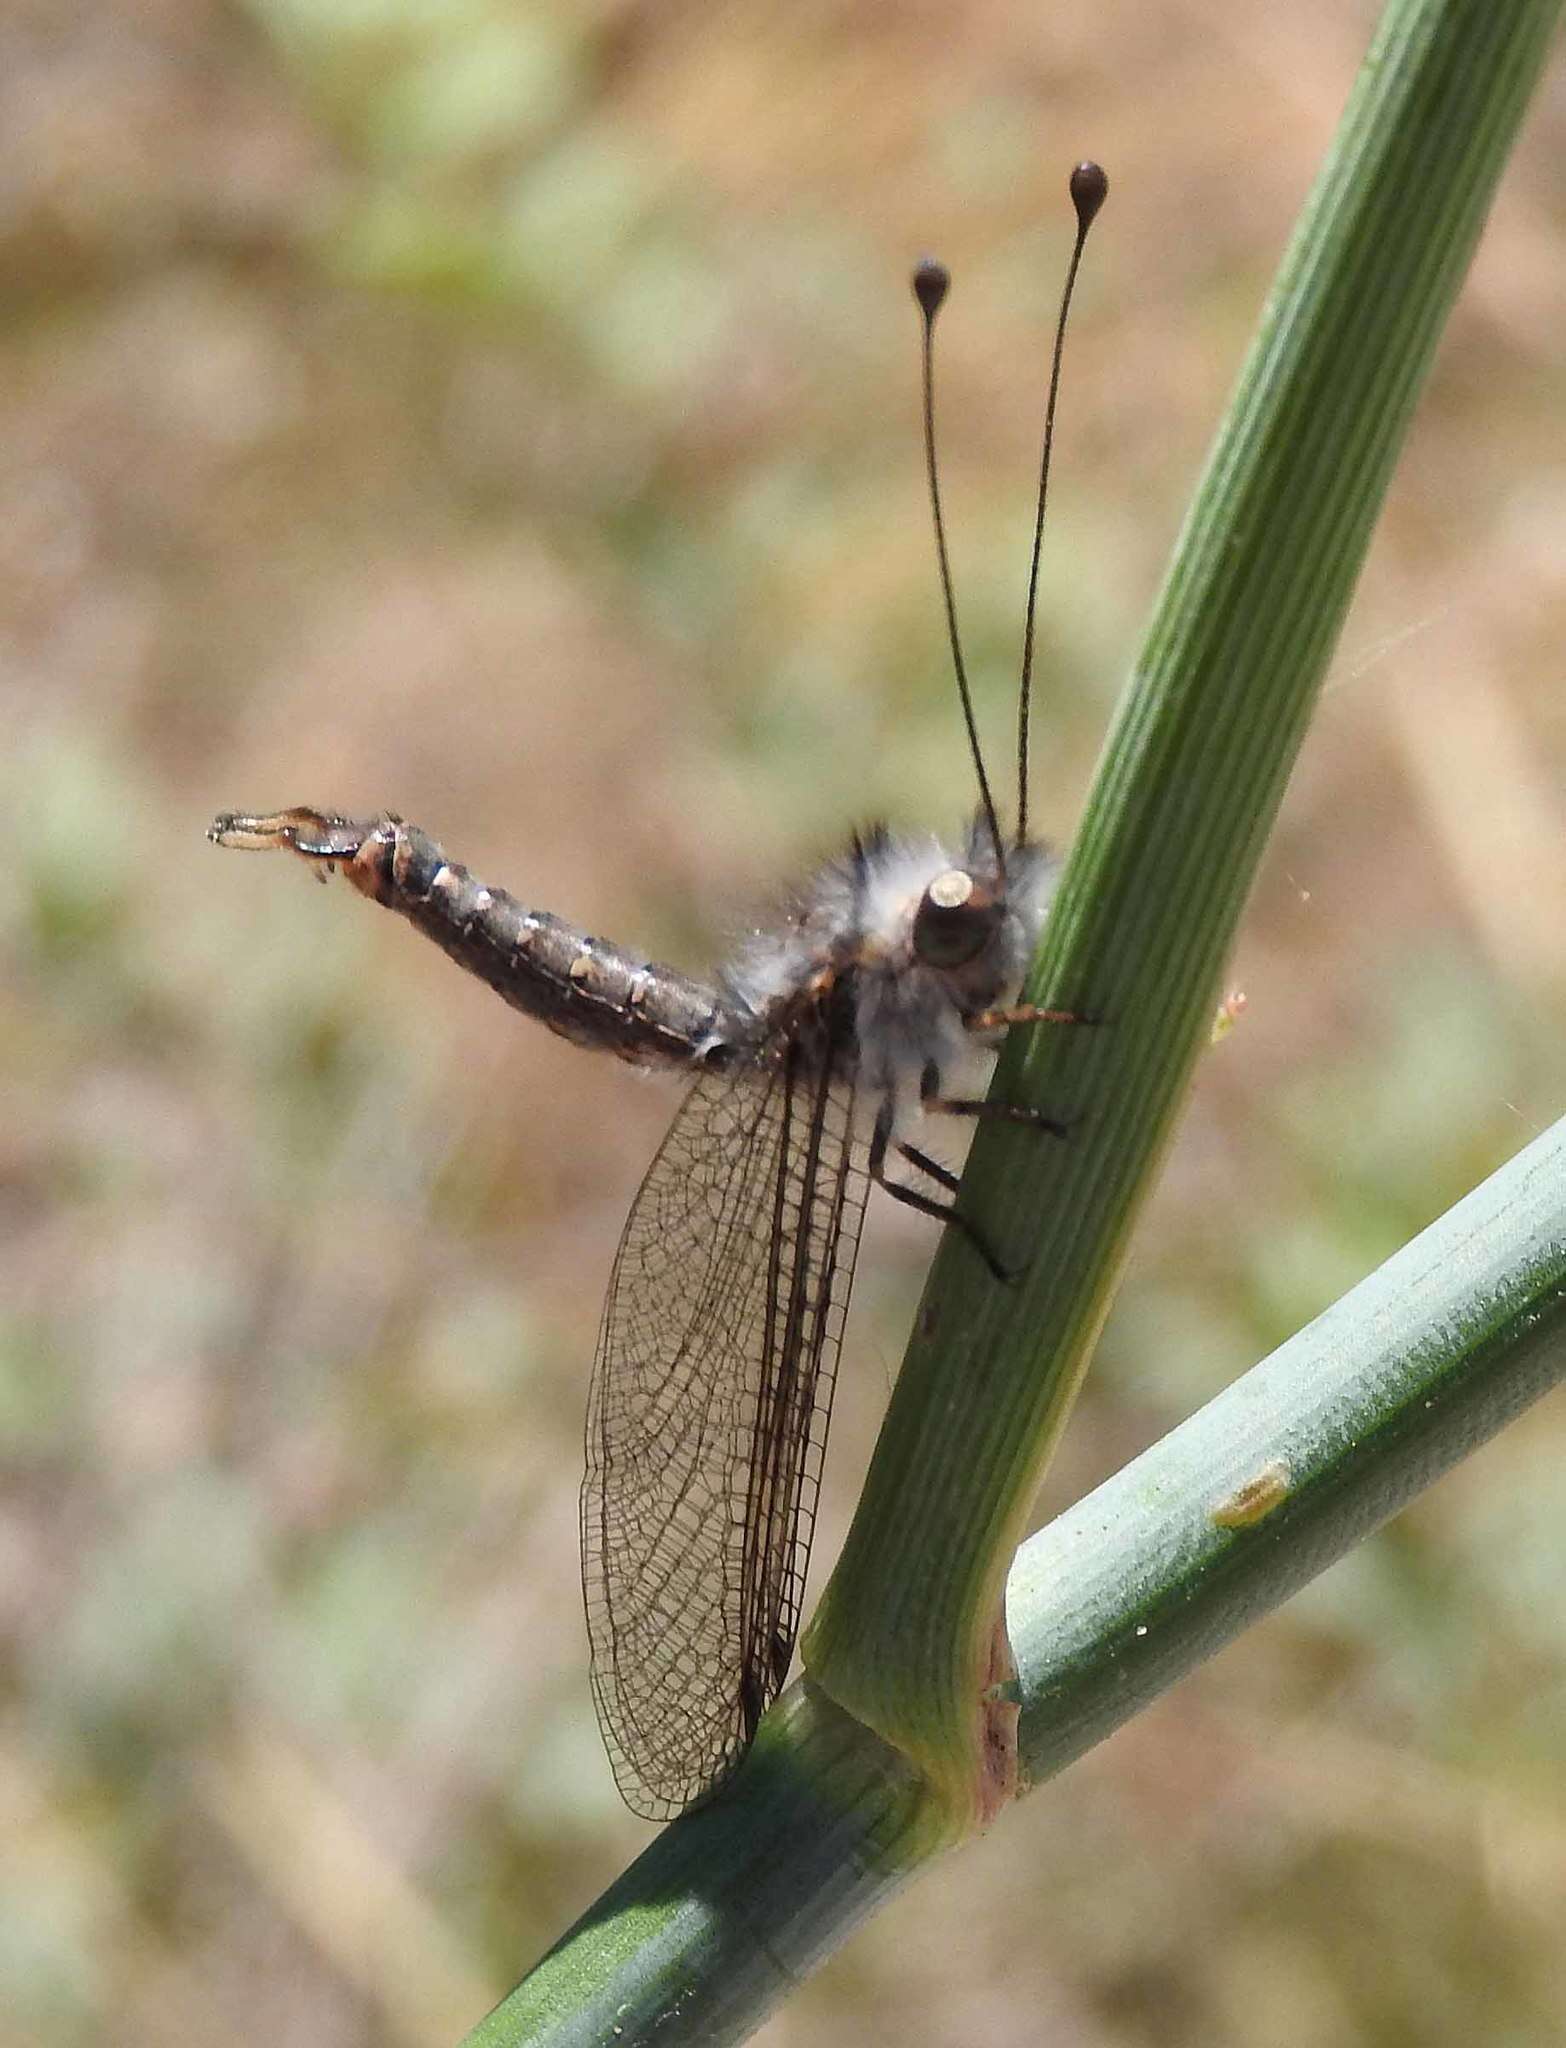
(584, 988)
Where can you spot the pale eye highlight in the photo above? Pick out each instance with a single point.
(951, 891)
(955, 920)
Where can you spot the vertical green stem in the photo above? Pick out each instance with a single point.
(1184, 798)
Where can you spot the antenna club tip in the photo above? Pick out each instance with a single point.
(1089, 188)
(931, 282)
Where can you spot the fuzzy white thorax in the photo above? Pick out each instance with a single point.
(858, 913)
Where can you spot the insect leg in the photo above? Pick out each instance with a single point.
(935, 1103)
(927, 1205)
(1026, 1013)
(933, 1168)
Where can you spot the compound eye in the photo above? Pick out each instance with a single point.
(955, 921)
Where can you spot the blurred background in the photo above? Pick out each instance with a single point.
(507, 414)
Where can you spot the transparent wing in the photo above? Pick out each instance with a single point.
(707, 1421)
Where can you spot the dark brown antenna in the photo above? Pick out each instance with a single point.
(1089, 188)
(931, 282)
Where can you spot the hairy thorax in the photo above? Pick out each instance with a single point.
(845, 962)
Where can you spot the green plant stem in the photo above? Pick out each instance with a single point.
(1185, 796)
(1417, 1366)
(715, 1925)
(731, 1906)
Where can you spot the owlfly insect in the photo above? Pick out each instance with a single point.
(877, 1003)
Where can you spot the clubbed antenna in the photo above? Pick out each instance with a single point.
(931, 282)
(1089, 188)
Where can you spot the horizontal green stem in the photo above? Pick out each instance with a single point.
(1296, 1462)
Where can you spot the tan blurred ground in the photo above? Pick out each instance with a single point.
(508, 415)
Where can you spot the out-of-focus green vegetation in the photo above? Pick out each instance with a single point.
(508, 415)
